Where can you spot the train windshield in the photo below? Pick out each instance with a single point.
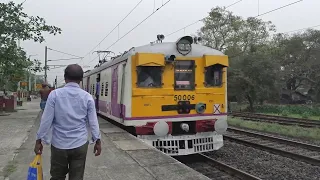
(184, 75)
(213, 75)
(149, 76)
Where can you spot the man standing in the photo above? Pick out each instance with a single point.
(44, 93)
(69, 110)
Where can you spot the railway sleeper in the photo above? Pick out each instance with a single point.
(273, 150)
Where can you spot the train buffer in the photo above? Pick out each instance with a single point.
(124, 157)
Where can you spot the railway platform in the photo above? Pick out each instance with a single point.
(14, 130)
(124, 157)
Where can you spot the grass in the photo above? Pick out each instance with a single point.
(291, 131)
(296, 116)
(9, 168)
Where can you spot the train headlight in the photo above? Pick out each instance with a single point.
(184, 45)
(185, 127)
(221, 126)
(161, 128)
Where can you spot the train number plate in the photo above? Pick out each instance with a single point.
(183, 97)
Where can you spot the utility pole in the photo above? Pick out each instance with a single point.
(45, 63)
(35, 82)
(29, 83)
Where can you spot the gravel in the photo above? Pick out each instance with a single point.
(314, 142)
(263, 164)
(210, 171)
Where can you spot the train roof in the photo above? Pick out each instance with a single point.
(167, 48)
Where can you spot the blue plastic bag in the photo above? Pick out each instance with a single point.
(35, 169)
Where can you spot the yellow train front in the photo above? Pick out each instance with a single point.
(174, 94)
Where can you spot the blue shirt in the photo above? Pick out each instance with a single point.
(68, 111)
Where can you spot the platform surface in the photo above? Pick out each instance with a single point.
(123, 158)
(14, 130)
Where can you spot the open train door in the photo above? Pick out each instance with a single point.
(88, 85)
(121, 85)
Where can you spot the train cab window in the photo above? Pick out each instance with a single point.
(149, 76)
(213, 75)
(184, 75)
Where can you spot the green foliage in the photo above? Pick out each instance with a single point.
(285, 113)
(306, 114)
(15, 25)
(252, 70)
(292, 131)
(262, 66)
(303, 110)
(18, 25)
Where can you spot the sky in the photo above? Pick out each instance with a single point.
(85, 23)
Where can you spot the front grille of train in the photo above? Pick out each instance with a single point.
(203, 144)
(167, 146)
(171, 147)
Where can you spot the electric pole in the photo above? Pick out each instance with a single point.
(45, 64)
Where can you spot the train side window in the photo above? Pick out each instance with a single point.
(184, 75)
(149, 76)
(102, 88)
(213, 75)
(106, 90)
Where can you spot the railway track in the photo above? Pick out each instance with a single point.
(214, 169)
(278, 119)
(292, 149)
(203, 164)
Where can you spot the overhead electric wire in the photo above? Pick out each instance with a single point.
(135, 27)
(139, 23)
(114, 27)
(64, 59)
(230, 6)
(278, 8)
(195, 22)
(64, 53)
(301, 29)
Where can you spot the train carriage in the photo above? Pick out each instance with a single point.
(174, 94)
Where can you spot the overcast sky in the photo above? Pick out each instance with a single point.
(85, 23)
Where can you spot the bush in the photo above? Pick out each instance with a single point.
(306, 115)
(285, 113)
(289, 109)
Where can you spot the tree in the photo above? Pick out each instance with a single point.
(232, 34)
(298, 55)
(15, 25)
(246, 41)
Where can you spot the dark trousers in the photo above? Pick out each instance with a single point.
(72, 161)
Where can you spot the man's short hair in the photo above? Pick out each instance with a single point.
(73, 72)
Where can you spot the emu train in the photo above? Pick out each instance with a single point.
(174, 94)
